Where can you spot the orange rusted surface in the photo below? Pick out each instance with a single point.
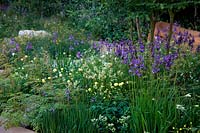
(162, 28)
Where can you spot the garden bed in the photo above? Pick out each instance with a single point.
(65, 82)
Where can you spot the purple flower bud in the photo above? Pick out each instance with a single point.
(67, 94)
(52, 109)
(29, 46)
(155, 69)
(12, 41)
(198, 49)
(44, 93)
(76, 42)
(82, 42)
(71, 48)
(191, 42)
(179, 39)
(168, 60)
(118, 51)
(93, 99)
(17, 47)
(176, 24)
(78, 55)
(55, 37)
(142, 47)
(137, 66)
(96, 47)
(71, 37)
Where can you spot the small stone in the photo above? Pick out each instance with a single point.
(1, 71)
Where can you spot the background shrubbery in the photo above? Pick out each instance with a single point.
(104, 19)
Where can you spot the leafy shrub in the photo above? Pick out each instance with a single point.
(21, 109)
(188, 70)
(37, 7)
(114, 116)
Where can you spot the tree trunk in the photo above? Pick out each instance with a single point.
(170, 32)
(195, 17)
(138, 27)
(131, 28)
(153, 23)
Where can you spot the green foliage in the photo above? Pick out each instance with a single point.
(20, 109)
(113, 116)
(50, 89)
(153, 108)
(188, 71)
(103, 19)
(37, 7)
(10, 24)
(64, 119)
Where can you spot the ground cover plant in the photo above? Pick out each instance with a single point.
(72, 81)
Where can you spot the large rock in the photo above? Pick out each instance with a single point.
(18, 130)
(2, 130)
(33, 33)
(12, 129)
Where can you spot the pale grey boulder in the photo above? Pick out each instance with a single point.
(33, 33)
